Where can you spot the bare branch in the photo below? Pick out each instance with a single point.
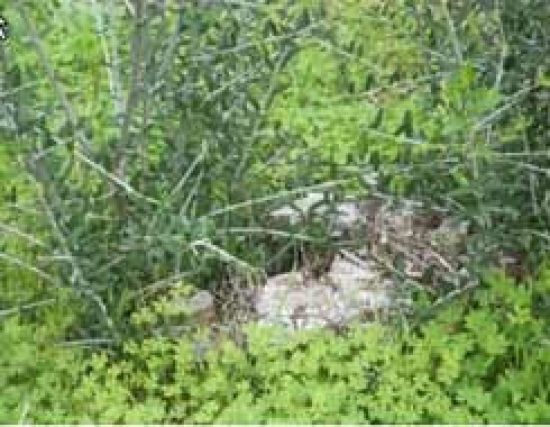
(135, 89)
(26, 266)
(13, 230)
(15, 310)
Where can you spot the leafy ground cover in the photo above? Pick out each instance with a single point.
(482, 359)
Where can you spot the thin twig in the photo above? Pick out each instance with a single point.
(199, 158)
(15, 310)
(111, 61)
(60, 91)
(503, 51)
(20, 88)
(452, 30)
(247, 45)
(168, 282)
(456, 293)
(266, 231)
(263, 107)
(115, 179)
(87, 342)
(281, 195)
(511, 101)
(223, 254)
(20, 263)
(135, 90)
(12, 230)
(169, 53)
(77, 274)
(130, 8)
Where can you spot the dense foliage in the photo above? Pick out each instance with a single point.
(144, 143)
(485, 358)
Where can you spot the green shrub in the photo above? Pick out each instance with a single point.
(37, 374)
(139, 158)
(484, 358)
(135, 133)
(446, 101)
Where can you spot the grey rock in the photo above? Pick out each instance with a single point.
(201, 306)
(347, 292)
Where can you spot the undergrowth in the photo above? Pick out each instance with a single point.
(144, 145)
(484, 358)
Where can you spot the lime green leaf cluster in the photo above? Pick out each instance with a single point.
(481, 359)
